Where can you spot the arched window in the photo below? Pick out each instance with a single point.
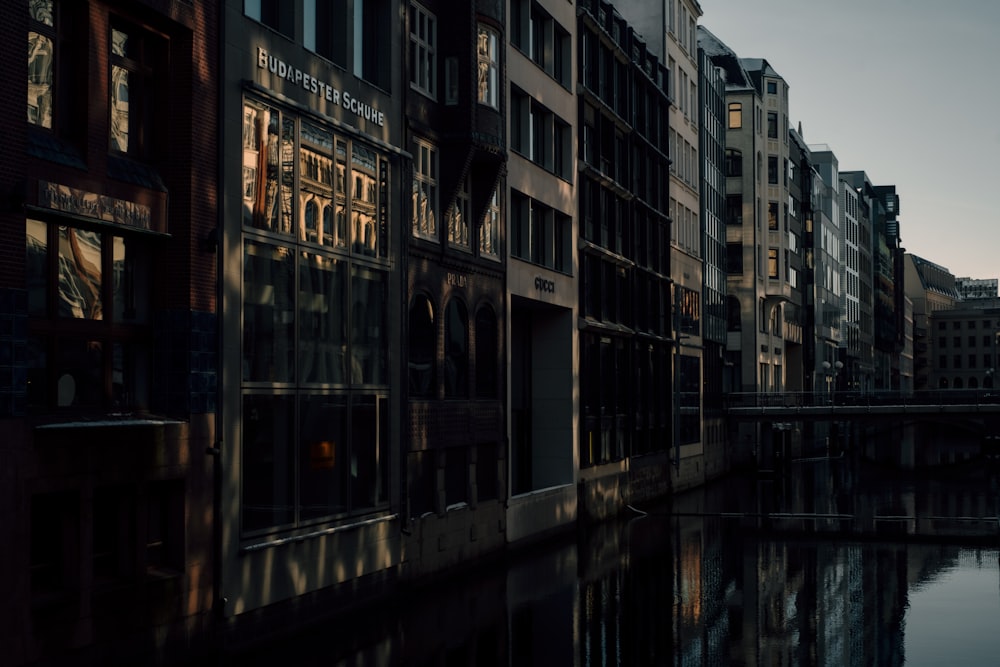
(312, 220)
(943, 383)
(422, 345)
(486, 353)
(973, 383)
(456, 349)
(958, 383)
(733, 316)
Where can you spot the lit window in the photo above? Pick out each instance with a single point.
(423, 38)
(425, 191)
(488, 91)
(735, 115)
(772, 263)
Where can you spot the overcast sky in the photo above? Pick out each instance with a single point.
(904, 90)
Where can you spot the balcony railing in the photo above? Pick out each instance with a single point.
(862, 399)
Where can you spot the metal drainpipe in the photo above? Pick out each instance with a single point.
(218, 602)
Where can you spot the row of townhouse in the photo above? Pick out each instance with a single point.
(302, 300)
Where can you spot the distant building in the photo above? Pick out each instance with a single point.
(931, 288)
(759, 278)
(970, 289)
(827, 286)
(855, 282)
(963, 347)
(873, 244)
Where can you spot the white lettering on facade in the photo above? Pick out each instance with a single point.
(457, 279)
(321, 89)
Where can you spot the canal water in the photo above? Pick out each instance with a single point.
(826, 562)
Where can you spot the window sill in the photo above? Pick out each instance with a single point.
(281, 541)
(105, 421)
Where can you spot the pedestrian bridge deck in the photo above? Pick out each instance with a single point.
(794, 406)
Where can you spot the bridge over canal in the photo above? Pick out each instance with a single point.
(847, 405)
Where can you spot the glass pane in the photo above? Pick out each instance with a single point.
(456, 350)
(41, 11)
(268, 313)
(119, 100)
(340, 198)
(79, 373)
(369, 356)
(130, 376)
(364, 200)
(322, 320)
(316, 172)
(38, 378)
(131, 267)
(284, 223)
(268, 466)
(365, 463)
(324, 457)
(422, 347)
(486, 354)
(40, 69)
(260, 167)
(80, 274)
(36, 270)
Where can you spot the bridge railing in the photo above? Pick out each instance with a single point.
(793, 399)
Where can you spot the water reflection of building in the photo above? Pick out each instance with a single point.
(108, 351)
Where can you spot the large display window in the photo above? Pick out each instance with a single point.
(315, 362)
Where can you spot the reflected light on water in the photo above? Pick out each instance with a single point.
(952, 617)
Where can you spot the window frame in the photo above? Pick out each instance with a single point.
(423, 51)
(425, 188)
(488, 66)
(47, 31)
(325, 419)
(734, 116)
(116, 337)
(457, 218)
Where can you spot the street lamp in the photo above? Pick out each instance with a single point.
(831, 378)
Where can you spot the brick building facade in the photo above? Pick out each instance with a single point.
(108, 335)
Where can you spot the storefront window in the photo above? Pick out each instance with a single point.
(315, 313)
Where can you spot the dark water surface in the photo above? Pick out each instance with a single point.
(828, 563)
